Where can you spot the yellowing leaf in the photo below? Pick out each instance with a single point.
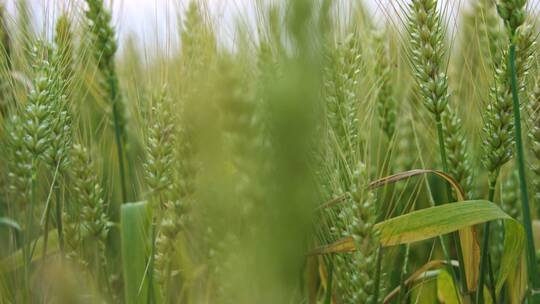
(446, 290)
(517, 282)
(431, 222)
(417, 275)
(408, 174)
(468, 239)
(343, 245)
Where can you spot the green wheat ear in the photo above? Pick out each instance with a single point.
(427, 54)
(63, 40)
(513, 13)
(340, 93)
(169, 174)
(29, 130)
(356, 273)
(61, 118)
(91, 223)
(161, 174)
(534, 140)
(458, 157)
(499, 126)
(103, 43)
(160, 150)
(386, 103)
(7, 96)
(88, 194)
(490, 31)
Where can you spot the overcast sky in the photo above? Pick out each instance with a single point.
(154, 22)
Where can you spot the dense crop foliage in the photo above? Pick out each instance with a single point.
(317, 154)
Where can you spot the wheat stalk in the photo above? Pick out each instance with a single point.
(427, 56)
(513, 15)
(103, 42)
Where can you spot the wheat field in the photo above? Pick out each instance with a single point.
(306, 151)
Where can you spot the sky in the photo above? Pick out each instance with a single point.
(154, 22)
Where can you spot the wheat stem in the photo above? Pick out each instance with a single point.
(29, 228)
(485, 257)
(59, 225)
(527, 222)
(378, 271)
(118, 137)
(454, 236)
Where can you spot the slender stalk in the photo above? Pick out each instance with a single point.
(328, 296)
(377, 280)
(532, 270)
(118, 138)
(492, 281)
(46, 229)
(485, 249)
(59, 225)
(103, 38)
(454, 236)
(29, 228)
(402, 279)
(442, 146)
(151, 298)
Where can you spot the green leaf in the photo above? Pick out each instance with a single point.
(431, 222)
(418, 276)
(135, 225)
(513, 266)
(425, 292)
(470, 246)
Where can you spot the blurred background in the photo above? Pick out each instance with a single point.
(153, 21)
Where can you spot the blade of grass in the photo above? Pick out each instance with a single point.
(10, 223)
(135, 225)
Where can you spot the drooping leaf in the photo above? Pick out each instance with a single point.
(417, 275)
(5, 221)
(468, 238)
(517, 283)
(431, 222)
(399, 177)
(408, 174)
(343, 245)
(513, 266)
